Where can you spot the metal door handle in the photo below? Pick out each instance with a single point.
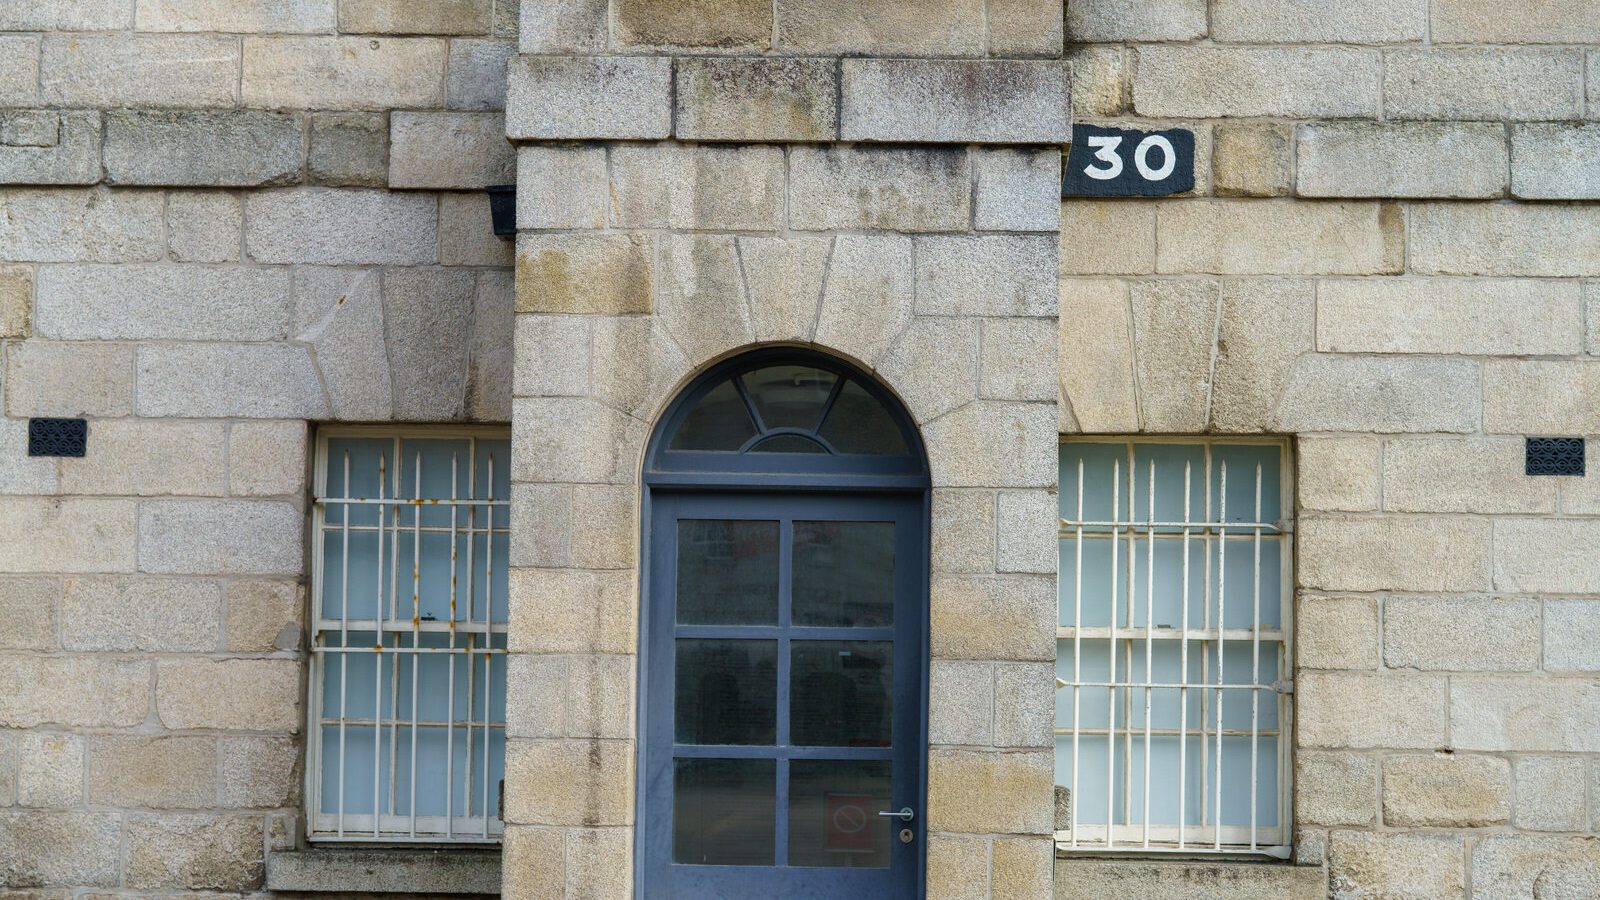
(905, 814)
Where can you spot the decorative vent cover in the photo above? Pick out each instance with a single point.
(57, 437)
(1555, 456)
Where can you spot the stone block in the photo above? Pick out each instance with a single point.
(477, 77)
(990, 275)
(559, 611)
(1022, 867)
(343, 73)
(69, 379)
(427, 316)
(67, 535)
(234, 148)
(27, 475)
(1112, 21)
(983, 791)
(1335, 788)
(1012, 349)
(1269, 237)
(263, 616)
(570, 782)
(196, 852)
(490, 357)
(465, 150)
(867, 300)
(231, 537)
(1222, 82)
(964, 524)
(562, 187)
(1458, 160)
(700, 298)
(1549, 794)
(600, 862)
(1524, 714)
(403, 17)
(1446, 790)
(49, 769)
(1026, 27)
(1481, 21)
(165, 615)
(960, 703)
(67, 152)
(555, 696)
(75, 691)
(932, 391)
(1174, 332)
(605, 528)
(993, 444)
(993, 617)
(592, 97)
(955, 101)
(339, 312)
(256, 772)
(692, 187)
(466, 233)
(236, 16)
(1310, 22)
(1448, 316)
(1017, 190)
(1555, 162)
(1337, 632)
(1116, 237)
(1371, 709)
(1338, 393)
(1529, 865)
(756, 99)
(1394, 553)
(232, 694)
(159, 772)
(564, 26)
(122, 69)
(1127, 879)
(694, 23)
(1546, 555)
(28, 605)
(58, 847)
(1264, 326)
(1251, 161)
(585, 273)
(1024, 705)
(1098, 85)
(1480, 475)
(892, 189)
(69, 15)
(1504, 239)
(534, 858)
(543, 429)
(142, 302)
(266, 459)
(549, 545)
(958, 866)
(204, 226)
(784, 284)
(1571, 635)
(881, 27)
(342, 227)
(16, 301)
(45, 225)
(1490, 83)
(1096, 367)
(257, 381)
(556, 355)
(1536, 396)
(349, 149)
(1364, 865)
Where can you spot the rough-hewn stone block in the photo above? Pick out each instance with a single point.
(26, 475)
(1549, 792)
(562, 187)
(879, 188)
(200, 852)
(161, 772)
(1097, 80)
(151, 458)
(961, 703)
(1541, 396)
(29, 606)
(16, 301)
(262, 381)
(266, 459)
(1312, 22)
(883, 27)
(233, 694)
(1401, 160)
(1103, 21)
(1024, 702)
(56, 847)
(1483, 83)
(202, 537)
(427, 316)
(993, 617)
(694, 23)
(76, 691)
(236, 148)
(465, 150)
(1483, 21)
(263, 616)
(1339, 393)
(138, 302)
(466, 233)
(1335, 788)
(80, 226)
(1126, 879)
(1526, 713)
(1571, 635)
(478, 74)
(1546, 555)
(236, 16)
(993, 275)
(70, 155)
(689, 187)
(1017, 190)
(1504, 239)
(1530, 865)
(570, 782)
(1115, 237)
(556, 611)
(1174, 330)
(140, 614)
(543, 428)
(1398, 710)
(1555, 162)
(988, 790)
(700, 298)
(1264, 326)
(580, 273)
(564, 26)
(343, 72)
(757, 99)
(256, 771)
(784, 279)
(1337, 632)
(339, 312)
(1096, 337)
(1276, 237)
(932, 391)
(69, 379)
(1398, 553)
(338, 227)
(404, 17)
(955, 101)
(1012, 350)
(1365, 865)
(67, 535)
(570, 97)
(349, 149)
(1251, 161)
(109, 70)
(1218, 82)
(993, 444)
(1448, 316)
(204, 226)
(49, 769)
(554, 696)
(1484, 634)
(66, 15)
(1026, 27)
(1461, 475)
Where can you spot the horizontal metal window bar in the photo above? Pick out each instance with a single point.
(404, 626)
(406, 530)
(408, 651)
(420, 723)
(1168, 633)
(1139, 525)
(406, 501)
(1196, 685)
(1169, 732)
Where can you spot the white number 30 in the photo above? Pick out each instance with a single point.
(1105, 151)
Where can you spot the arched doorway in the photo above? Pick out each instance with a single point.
(784, 637)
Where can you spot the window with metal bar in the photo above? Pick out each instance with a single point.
(408, 686)
(1173, 656)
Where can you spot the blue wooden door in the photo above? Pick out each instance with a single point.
(784, 687)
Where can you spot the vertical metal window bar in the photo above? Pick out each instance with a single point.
(1220, 824)
(472, 639)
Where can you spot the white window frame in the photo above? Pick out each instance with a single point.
(1131, 525)
(399, 827)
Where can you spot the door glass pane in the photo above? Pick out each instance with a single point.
(723, 812)
(833, 814)
(727, 691)
(727, 572)
(858, 423)
(720, 421)
(839, 693)
(844, 574)
(790, 396)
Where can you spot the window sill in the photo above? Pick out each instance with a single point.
(1190, 879)
(388, 871)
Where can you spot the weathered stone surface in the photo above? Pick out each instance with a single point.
(893, 189)
(262, 381)
(565, 98)
(1293, 82)
(570, 782)
(1337, 633)
(554, 611)
(266, 459)
(756, 99)
(1335, 788)
(1174, 328)
(685, 186)
(68, 15)
(955, 101)
(1017, 190)
(1102, 21)
(1356, 710)
(1399, 553)
(236, 16)
(1022, 867)
(161, 772)
(1490, 83)
(1364, 865)
(465, 150)
(49, 769)
(1571, 635)
(236, 148)
(200, 852)
(1251, 160)
(589, 696)
(1264, 326)
(1446, 790)
(1096, 335)
(1533, 396)
(466, 233)
(204, 226)
(233, 694)
(1210, 880)
(42, 847)
(233, 537)
(694, 23)
(1448, 316)
(867, 300)
(343, 73)
(932, 391)
(994, 275)
(960, 703)
(986, 790)
(80, 226)
(1483, 475)
(201, 303)
(263, 616)
(256, 771)
(490, 355)
(1549, 791)
(562, 187)
(556, 355)
(1108, 238)
(534, 862)
(132, 614)
(1097, 80)
(1527, 865)
(478, 74)
(958, 866)
(1524, 713)
(16, 301)
(1024, 704)
(542, 429)
(28, 605)
(339, 312)
(993, 444)
(1244, 237)
(964, 531)
(402, 17)
(1459, 160)
(993, 617)
(1555, 162)
(349, 149)
(1307, 21)
(581, 273)
(68, 379)
(1026, 27)
(700, 300)
(1504, 239)
(1012, 350)
(427, 316)
(1481, 21)
(1333, 393)
(76, 691)
(69, 154)
(67, 535)
(564, 26)
(109, 70)
(883, 27)
(342, 227)
(600, 862)
(1546, 555)
(784, 281)
(26, 475)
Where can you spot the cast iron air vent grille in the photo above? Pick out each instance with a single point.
(1555, 456)
(57, 437)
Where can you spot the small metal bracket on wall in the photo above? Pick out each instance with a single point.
(1555, 456)
(503, 208)
(58, 437)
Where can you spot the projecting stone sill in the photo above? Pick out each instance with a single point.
(1116, 879)
(397, 871)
